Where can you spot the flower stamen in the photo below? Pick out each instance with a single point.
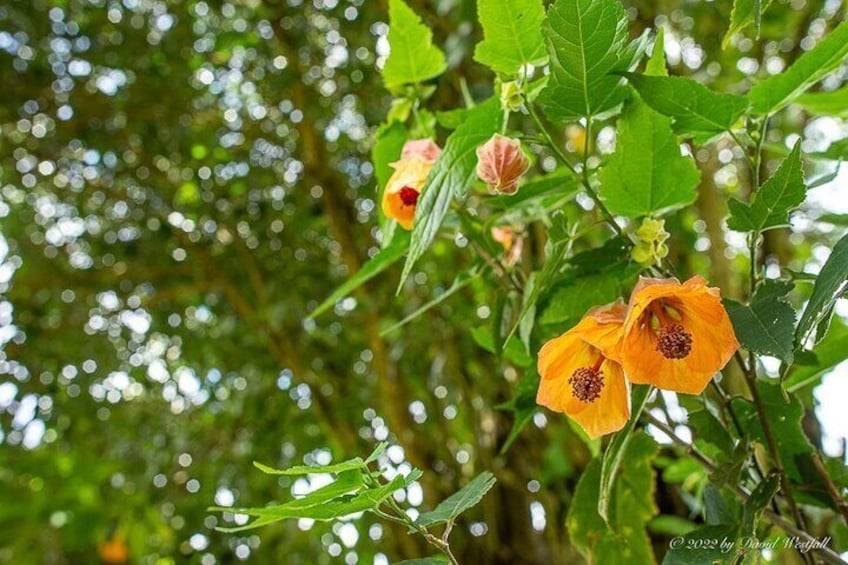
(409, 196)
(587, 382)
(674, 342)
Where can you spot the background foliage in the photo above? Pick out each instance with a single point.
(183, 183)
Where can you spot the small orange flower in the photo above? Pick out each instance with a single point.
(113, 551)
(405, 184)
(676, 336)
(581, 374)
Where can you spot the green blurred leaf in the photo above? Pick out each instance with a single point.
(771, 204)
(694, 107)
(450, 177)
(758, 501)
(522, 405)
(586, 40)
(377, 264)
(671, 525)
(656, 65)
(512, 31)
(830, 284)
(412, 57)
(744, 13)
(767, 325)
(829, 353)
(460, 501)
(777, 91)
(832, 103)
(647, 175)
(355, 463)
(569, 303)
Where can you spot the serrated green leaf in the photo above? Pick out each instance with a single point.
(831, 282)
(767, 325)
(355, 463)
(832, 103)
(771, 204)
(512, 31)
(586, 40)
(377, 264)
(460, 501)
(694, 107)
(656, 65)
(829, 353)
(647, 175)
(451, 176)
(412, 56)
(744, 13)
(784, 418)
(777, 91)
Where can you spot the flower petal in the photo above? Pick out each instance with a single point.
(610, 412)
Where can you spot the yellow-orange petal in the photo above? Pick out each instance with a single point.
(558, 359)
(610, 412)
(410, 175)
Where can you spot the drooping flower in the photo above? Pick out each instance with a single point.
(512, 242)
(676, 336)
(501, 163)
(404, 187)
(581, 374)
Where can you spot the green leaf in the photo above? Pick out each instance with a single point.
(435, 560)
(378, 451)
(829, 353)
(355, 463)
(647, 175)
(744, 13)
(376, 265)
(615, 452)
(784, 418)
(671, 525)
(512, 31)
(569, 303)
(832, 103)
(522, 405)
(460, 501)
(711, 437)
(694, 107)
(586, 40)
(830, 284)
(656, 64)
(632, 506)
(771, 204)
(767, 325)
(759, 501)
(451, 176)
(777, 91)
(412, 57)
(709, 545)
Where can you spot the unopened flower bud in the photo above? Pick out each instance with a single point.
(501, 163)
(511, 96)
(651, 248)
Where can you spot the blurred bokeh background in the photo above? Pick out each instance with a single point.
(182, 182)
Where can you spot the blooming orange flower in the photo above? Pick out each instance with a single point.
(676, 336)
(404, 187)
(581, 375)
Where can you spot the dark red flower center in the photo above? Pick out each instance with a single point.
(409, 196)
(587, 382)
(674, 342)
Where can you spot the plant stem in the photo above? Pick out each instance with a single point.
(827, 554)
(832, 489)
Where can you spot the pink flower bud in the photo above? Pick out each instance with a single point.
(424, 149)
(501, 163)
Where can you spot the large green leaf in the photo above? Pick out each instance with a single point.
(512, 31)
(767, 325)
(412, 57)
(829, 353)
(451, 176)
(830, 283)
(694, 107)
(744, 13)
(784, 418)
(460, 501)
(832, 103)
(376, 265)
(570, 302)
(771, 204)
(586, 40)
(632, 506)
(777, 91)
(647, 175)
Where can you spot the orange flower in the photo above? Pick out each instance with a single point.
(405, 184)
(676, 336)
(581, 375)
(113, 551)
